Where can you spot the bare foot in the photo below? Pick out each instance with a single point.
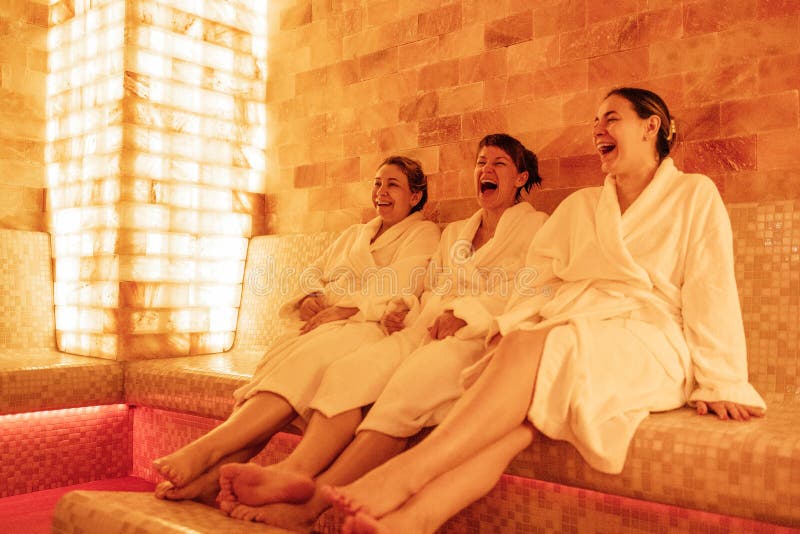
(340, 500)
(402, 520)
(183, 465)
(253, 485)
(202, 489)
(369, 494)
(293, 517)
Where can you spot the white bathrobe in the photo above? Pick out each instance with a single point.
(646, 311)
(475, 285)
(351, 273)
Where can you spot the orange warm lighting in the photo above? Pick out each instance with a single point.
(156, 161)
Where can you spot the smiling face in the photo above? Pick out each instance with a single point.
(497, 179)
(391, 195)
(625, 141)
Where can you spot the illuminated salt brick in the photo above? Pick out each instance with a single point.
(153, 294)
(208, 295)
(187, 72)
(98, 268)
(224, 272)
(67, 221)
(231, 224)
(185, 171)
(83, 319)
(147, 62)
(144, 321)
(149, 165)
(185, 221)
(143, 216)
(175, 245)
(178, 295)
(93, 294)
(144, 346)
(134, 242)
(148, 269)
(213, 247)
(85, 243)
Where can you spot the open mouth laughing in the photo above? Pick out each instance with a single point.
(605, 148)
(488, 185)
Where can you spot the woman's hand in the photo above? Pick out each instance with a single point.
(445, 325)
(311, 305)
(332, 313)
(395, 321)
(729, 410)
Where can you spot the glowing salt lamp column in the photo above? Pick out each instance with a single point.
(157, 173)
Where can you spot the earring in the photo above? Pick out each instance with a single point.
(671, 130)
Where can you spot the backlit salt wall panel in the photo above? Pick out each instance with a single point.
(156, 137)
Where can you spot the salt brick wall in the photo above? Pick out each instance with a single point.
(351, 81)
(23, 67)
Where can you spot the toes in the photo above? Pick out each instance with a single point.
(162, 489)
(338, 499)
(228, 507)
(238, 511)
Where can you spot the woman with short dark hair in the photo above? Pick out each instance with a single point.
(413, 377)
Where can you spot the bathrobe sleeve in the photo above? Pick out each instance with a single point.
(712, 319)
(403, 278)
(479, 310)
(535, 289)
(312, 278)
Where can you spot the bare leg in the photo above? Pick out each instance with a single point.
(324, 439)
(449, 493)
(254, 485)
(368, 450)
(494, 406)
(254, 422)
(205, 487)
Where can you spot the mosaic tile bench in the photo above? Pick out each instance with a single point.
(33, 374)
(683, 473)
